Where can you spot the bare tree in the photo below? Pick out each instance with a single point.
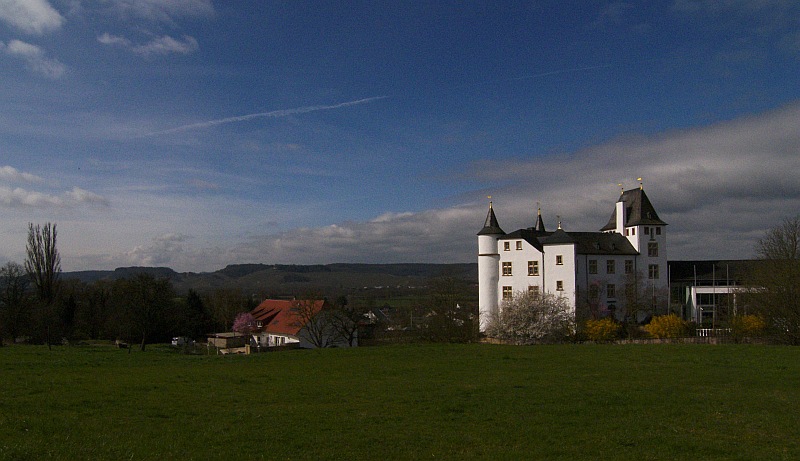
(346, 319)
(529, 317)
(776, 280)
(15, 302)
(43, 265)
(312, 316)
(44, 262)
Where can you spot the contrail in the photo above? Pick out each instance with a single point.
(274, 114)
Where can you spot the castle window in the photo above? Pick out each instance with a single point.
(594, 291)
(559, 260)
(506, 246)
(652, 271)
(652, 249)
(533, 268)
(519, 245)
(559, 285)
(507, 293)
(627, 232)
(646, 231)
(629, 266)
(633, 231)
(611, 266)
(534, 290)
(592, 266)
(611, 291)
(506, 268)
(658, 231)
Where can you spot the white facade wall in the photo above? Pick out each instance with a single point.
(660, 239)
(519, 280)
(564, 272)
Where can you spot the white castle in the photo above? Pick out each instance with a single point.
(594, 270)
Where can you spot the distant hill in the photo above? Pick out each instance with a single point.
(282, 279)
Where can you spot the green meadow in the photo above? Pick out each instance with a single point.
(567, 402)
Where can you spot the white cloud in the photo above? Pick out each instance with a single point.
(108, 39)
(167, 45)
(10, 173)
(30, 16)
(34, 57)
(158, 46)
(78, 195)
(165, 11)
(23, 198)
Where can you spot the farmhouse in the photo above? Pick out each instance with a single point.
(602, 272)
(295, 323)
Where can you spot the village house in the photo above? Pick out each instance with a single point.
(296, 323)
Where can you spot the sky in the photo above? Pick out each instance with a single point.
(194, 134)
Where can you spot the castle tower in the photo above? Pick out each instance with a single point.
(488, 268)
(636, 218)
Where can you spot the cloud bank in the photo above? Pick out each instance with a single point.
(18, 197)
(718, 187)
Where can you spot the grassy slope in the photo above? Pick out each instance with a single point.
(404, 402)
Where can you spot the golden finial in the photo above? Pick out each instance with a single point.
(490, 200)
(559, 221)
(641, 185)
(538, 208)
(621, 189)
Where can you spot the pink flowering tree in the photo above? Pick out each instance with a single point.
(244, 323)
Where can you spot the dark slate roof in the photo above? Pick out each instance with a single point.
(558, 237)
(491, 226)
(602, 243)
(638, 211)
(529, 235)
(586, 243)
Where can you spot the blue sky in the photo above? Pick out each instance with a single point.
(195, 134)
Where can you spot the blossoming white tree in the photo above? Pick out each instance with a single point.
(529, 318)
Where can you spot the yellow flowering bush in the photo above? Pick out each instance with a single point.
(748, 326)
(667, 326)
(601, 330)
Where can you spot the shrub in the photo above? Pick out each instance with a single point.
(601, 330)
(532, 318)
(667, 326)
(747, 326)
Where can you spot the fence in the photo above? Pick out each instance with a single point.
(713, 332)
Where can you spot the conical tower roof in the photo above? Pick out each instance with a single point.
(491, 226)
(539, 227)
(638, 210)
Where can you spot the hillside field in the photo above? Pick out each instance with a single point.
(568, 402)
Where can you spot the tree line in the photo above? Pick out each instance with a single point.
(37, 306)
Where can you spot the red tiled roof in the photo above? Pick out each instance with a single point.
(280, 316)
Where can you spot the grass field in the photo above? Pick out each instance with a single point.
(633, 402)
